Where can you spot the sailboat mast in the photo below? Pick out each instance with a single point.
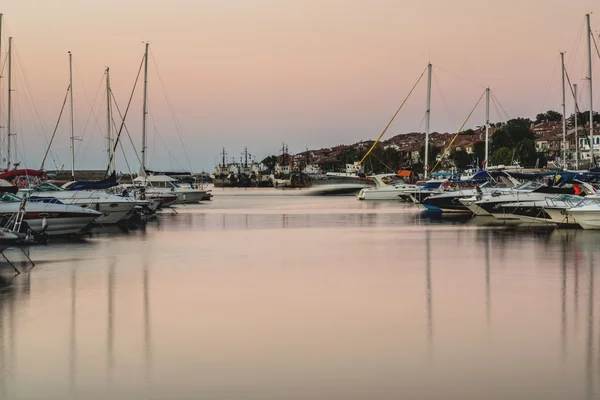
(576, 130)
(0, 64)
(8, 122)
(427, 118)
(589, 46)
(564, 113)
(71, 107)
(145, 111)
(109, 133)
(487, 125)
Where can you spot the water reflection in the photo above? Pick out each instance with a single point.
(315, 314)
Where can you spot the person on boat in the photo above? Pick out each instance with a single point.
(577, 189)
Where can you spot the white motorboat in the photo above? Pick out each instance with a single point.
(527, 192)
(387, 187)
(586, 213)
(52, 218)
(163, 184)
(113, 208)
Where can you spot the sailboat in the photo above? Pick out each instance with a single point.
(160, 185)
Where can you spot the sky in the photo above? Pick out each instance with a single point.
(257, 73)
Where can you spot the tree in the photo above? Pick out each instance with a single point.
(461, 158)
(502, 156)
(479, 151)
(270, 162)
(512, 133)
(469, 132)
(433, 153)
(548, 116)
(583, 118)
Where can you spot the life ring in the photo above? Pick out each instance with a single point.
(20, 182)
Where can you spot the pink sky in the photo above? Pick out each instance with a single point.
(310, 73)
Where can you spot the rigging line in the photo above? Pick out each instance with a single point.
(173, 115)
(126, 161)
(457, 132)
(500, 104)
(393, 117)
(596, 45)
(55, 129)
(444, 100)
(80, 153)
(549, 87)
(572, 91)
(378, 159)
(157, 133)
(459, 77)
(125, 116)
(577, 42)
(92, 107)
(30, 100)
(126, 129)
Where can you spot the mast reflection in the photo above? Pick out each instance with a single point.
(429, 297)
(590, 331)
(110, 323)
(72, 344)
(147, 328)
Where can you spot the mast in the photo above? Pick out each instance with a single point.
(224, 154)
(564, 113)
(487, 125)
(1, 71)
(71, 105)
(576, 131)
(246, 156)
(111, 156)
(145, 111)
(589, 46)
(427, 117)
(8, 122)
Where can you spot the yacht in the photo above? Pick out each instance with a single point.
(113, 208)
(529, 191)
(50, 218)
(163, 184)
(587, 213)
(387, 187)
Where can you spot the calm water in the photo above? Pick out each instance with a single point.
(295, 297)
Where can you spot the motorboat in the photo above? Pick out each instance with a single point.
(387, 187)
(51, 218)
(163, 184)
(586, 213)
(527, 192)
(113, 208)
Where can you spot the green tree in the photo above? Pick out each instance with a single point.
(433, 153)
(469, 132)
(270, 162)
(479, 151)
(461, 159)
(502, 156)
(512, 133)
(548, 116)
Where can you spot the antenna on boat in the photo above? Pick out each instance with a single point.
(564, 112)
(589, 48)
(427, 118)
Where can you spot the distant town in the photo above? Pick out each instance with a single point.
(530, 143)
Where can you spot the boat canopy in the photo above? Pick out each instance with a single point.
(96, 185)
(21, 172)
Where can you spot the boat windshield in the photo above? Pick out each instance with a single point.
(587, 201)
(174, 184)
(567, 197)
(531, 185)
(46, 187)
(9, 197)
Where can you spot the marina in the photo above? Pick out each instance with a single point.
(373, 201)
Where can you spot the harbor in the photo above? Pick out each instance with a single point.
(234, 200)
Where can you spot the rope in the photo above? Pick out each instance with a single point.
(500, 104)
(459, 131)
(393, 117)
(55, 129)
(124, 116)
